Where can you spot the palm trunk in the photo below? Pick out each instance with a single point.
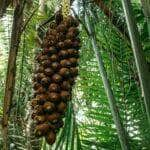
(112, 102)
(142, 68)
(11, 69)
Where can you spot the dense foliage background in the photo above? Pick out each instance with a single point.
(88, 122)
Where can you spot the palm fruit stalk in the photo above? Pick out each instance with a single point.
(54, 76)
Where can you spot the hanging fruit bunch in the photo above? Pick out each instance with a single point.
(55, 75)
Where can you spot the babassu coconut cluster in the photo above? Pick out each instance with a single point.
(55, 73)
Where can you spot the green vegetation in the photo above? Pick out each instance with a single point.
(89, 123)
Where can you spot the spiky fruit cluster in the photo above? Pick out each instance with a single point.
(54, 76)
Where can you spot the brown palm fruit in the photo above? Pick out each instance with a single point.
(54, 97)
(54, 87)
(46, 63)
(71, 22)
(70, 35)
(74, 31)
(54, 117)
(34, 103)
(51, 42)
(45, 51)
(63, 54)
(60, 37)
(39, 69)
(55, 66)
(37, 77)
(58, 17)
(73, 53)
(39, 119)
(64, 72)
(65, 63)
(66, 85)
(67, 43)
(48, 107)
(49, 71)
(61, 28)
(61, 45)
(54, 58)
(74, 71)
(50, 137)
(54, 76)
(41, 99)
(55, 126)
(51, 37)
(51, 32)
(36, 85)
(38, 110)
(45, 81)
(41, 129)
(40, 90)
(65, 95)
(73, 62)
(43, 57)
(50, 50)
(42, 96)
(62, 107)
(37, 58)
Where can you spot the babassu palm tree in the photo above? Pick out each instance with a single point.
(108, 109)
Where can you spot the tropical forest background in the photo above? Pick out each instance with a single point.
(89, 123)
